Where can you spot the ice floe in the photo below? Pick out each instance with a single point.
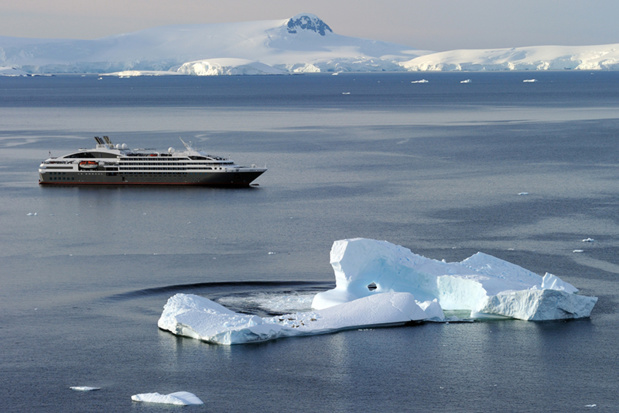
(84, 388)
(197, 317)
(382, 284)
(181, 398)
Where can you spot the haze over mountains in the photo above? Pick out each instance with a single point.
(301, 44)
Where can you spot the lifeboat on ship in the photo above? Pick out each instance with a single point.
(89, 165)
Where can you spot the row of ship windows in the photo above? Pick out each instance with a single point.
(166, 163)
(129, 168)
(54, 175)
(143, 173)
(72, 173)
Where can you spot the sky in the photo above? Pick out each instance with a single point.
(423, 24)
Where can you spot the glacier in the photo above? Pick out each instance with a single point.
(538, 58)
(382, 284)
(301, 44)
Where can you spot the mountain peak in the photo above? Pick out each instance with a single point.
(307, 22)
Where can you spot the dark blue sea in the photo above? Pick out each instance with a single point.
(520, 170)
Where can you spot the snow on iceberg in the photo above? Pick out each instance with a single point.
(180, 398)
(197, 317)
(482, 284)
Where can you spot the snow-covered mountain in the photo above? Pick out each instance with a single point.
(301, 44)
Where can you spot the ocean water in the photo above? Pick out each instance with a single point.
(521, 170)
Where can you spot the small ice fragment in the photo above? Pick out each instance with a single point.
(523, 193)
(578, 251)
(466, 81)
(420, 81)
(529, 81)
(590, 405)
(345, 93)
(588, 240)
(84, 388)
(271, 253)
(181, 398)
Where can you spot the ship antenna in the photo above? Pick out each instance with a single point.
(187, 146)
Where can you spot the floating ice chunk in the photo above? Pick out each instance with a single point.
(523, 193)
(84, 388)
(578, 251)
(420, 81)
(481, 283)
(200, 318)
(529, 81)
(433, 310)
(181, 398)
(466, 81)
(588, 240)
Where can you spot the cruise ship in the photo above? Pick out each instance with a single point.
(109, 164)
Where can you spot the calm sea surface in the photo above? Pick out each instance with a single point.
(521, 170)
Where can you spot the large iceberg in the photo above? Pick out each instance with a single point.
(381, 284)
(482, 284)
